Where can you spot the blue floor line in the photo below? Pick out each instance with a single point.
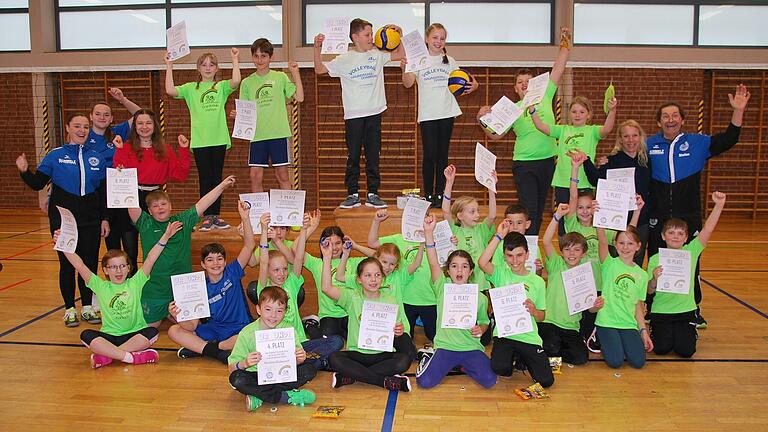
(389, 412)
(736, 299)
(38, 318)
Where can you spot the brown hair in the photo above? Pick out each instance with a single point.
(438, 26)
(158, 143)
(458, 253)
(517, 209)
(157, 195)
(574, 239)
(642, 149)
(590, 193)
(630, 232)
(458, 205)
(667, 105)
(514, 240)
(212, 248)
(72, 117)
(206, 56)
(675, 223)
(357, 25)
(115, 253)
(263, 45)
(389, 248)
(369, 260)
(109, 134)
(581, 100)
(274, 294)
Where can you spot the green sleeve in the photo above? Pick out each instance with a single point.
(595, 129)
(482, 310)
(653, 262)
(189, 217)
(556, 131)
(183, 91)
(289, 87)
(539, 294)
(97, 284)
(549, 93)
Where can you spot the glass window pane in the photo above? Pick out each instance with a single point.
(733, 25)
(232, 26)
(218, 1)
(66, 3)
(490, 22)
(15, 33)
(409, 16)
(11, 4)
(633, 24)
(136, 29)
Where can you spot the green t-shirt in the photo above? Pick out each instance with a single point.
(498, 256)
(246, 342)
(458, 339)
(326, 306)
(572, 224)
(557, 304)
(623, 287)
(269, 91)
(352, 301)
(530, 144)
(121, 311)
(584, 138)
(291, 286)
(391, 286)
(473, 240)
(534, 290)
(418, 290)
(207, 112)
(671, 303)
(177, 256)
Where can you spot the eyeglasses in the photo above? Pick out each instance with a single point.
(119, 266)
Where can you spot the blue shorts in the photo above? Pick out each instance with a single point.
(261, 152)
(213, 331)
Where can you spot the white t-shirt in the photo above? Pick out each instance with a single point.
(435, 100)
(362, 82)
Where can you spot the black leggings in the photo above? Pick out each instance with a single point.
(330, 326)
(532, 179)
(428, 316)
(674, 332)
(247, 383)
(88, 243)
(87, 336)
(210, 164)
(123, 235)
(435, 138)
(370, 368)
(532, 356)
(559, 342)
(359, 133)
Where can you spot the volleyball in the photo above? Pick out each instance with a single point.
(386, 38)
(458, 81)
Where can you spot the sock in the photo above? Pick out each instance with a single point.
(128, 357)
(211, 349)
(284, 397)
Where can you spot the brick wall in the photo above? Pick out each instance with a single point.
(17, 135)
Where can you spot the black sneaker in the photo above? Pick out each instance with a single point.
(352, 201)
(701, 323)
(423, 356)
(397, 382)
(375, 201)
(593, 345)
(339, 380)
(184, 353)
(437, 201)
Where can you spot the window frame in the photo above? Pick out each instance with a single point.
(15, 11)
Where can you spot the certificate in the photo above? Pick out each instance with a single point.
(191, 296)
(443, 244)
(245, 120)
(503, 114)
(625, 175)
(336, 31)
(377, 326)
(412, 221)
(122, 188)
(67, 241)
(537, 86)
(415, 51)
(509, 311)
(258, 203)
(676, 271)
(278, 356)
(485, 162)
(286, 207)
(533, 252)
(176, 41)
(613, 200)
(580, 289)
(459, 306)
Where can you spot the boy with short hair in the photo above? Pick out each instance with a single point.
(519, 221)
(229, 310)
(361, 70)
(177, 259)
(673, 315)
(270, 88)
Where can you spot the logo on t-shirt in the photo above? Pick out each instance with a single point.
(208, 99)
(684, 146)
(265, 91)
(572, 142)
(94, 161)
(625, 283)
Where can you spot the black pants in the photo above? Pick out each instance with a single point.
(532, 356)
(587, 323)
(435, 138)
(210, 164)
(334, 326)
(428, 316)
(655, 242)
(404, 344)
(532, 179)
(247, 383)
(149, 333)
(674, 332)
(88, 242)
(359, 132)
(559, 342)
(370, 368)
(123, 235)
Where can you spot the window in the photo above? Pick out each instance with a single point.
(731, 25)
(631, 24)
(14, 20)
(409, 16)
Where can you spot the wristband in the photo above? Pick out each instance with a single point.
(500, 238)
(237, 366)
(429, 246)
(554, 216)
(161, 244)
(642, 330)
(266, 246)
(575, 180)
(446, 197)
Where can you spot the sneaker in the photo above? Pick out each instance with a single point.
(70, 318)
(145, 356)
(423, 357)
(207, 224)
(301, 397)
(312, 320)
(184, 353)
(397, 382)
(375, 201)
(98, 360)
(701, 323)
(223, 356)
(219, 223)
(89, 315)
(352, 201)
(437, 201)
(252, 403)
(592, 344)
(339, 380)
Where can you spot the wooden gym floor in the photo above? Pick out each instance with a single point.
(48, 384)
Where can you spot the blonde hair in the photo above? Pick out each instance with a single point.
(642, 149)
(438, 26)
(581, 100)
(458, 205)
(391, 249)
(203, 57)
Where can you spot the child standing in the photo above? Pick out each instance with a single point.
(244, 360)
(270, 89)
(124, 335)
(437, 110)
(362, 93)
(673, 315)
(206, 99)
(229, 311)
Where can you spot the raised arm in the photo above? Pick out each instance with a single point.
(549, 234)
(373, 233)
(328, 288)
(118, 95)
(540, 125)
(341, 269)
(170, 87)
(485, 262)
(301, 245)
(488, 133)
(711, 222)
(179, 165)
(76, 261)
(636, 213)
(409, 78)
(159, 247)
(362, 249)
(602, 244)
(562, 56)
(236, 76)
(399, 52)
(249, 243)
(723, 141)
(36, 180)
(293, 68)
(264, 249)
(577, 159)
(491, 218)
(413, 266)
(208, 199)
(320, 68)
(610, 121)
(429, 243)
(450, 176)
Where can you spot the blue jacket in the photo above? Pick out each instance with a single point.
(100, 144)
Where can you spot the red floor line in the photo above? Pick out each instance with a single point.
(15, 284)
(48, 243)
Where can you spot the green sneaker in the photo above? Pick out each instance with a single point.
(252, 403)
(70, 318)
(89, 315)
(301, 397)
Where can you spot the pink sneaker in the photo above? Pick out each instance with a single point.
(98, 360)
(146, 356)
